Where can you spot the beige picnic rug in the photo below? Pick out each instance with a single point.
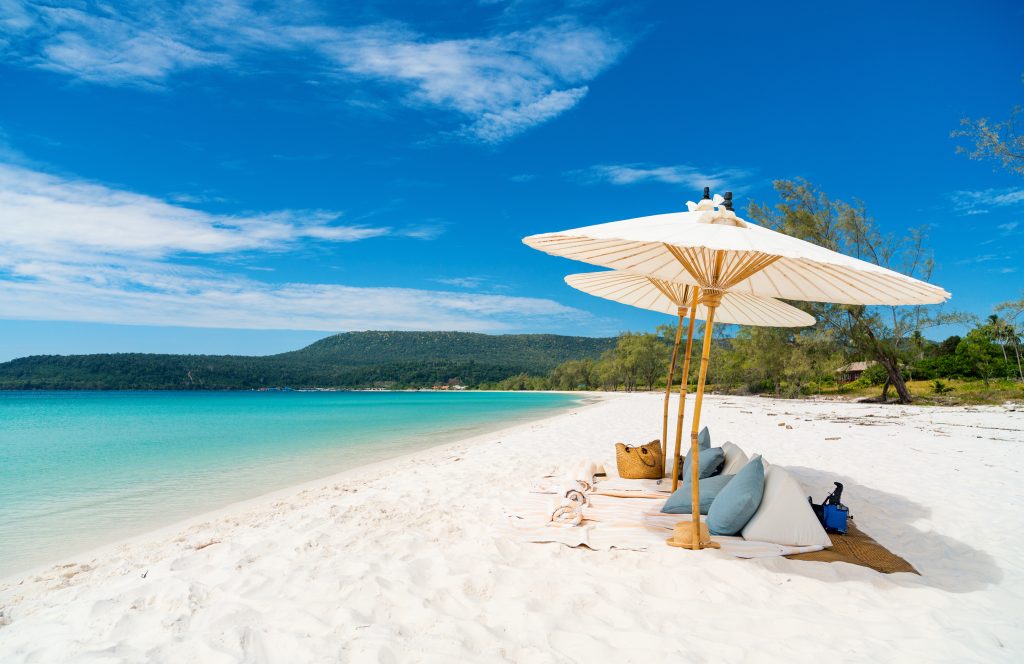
(858, 548)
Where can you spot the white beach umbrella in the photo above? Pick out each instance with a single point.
(668, 297)
(712, 248)
(673, 298)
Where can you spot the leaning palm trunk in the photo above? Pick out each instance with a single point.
(895, 378)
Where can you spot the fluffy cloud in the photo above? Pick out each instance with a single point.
(689, 176)
(51, 215)
(982, 201)
(164, 294)
(80, 251)
(501, 83)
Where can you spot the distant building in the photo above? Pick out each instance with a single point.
(852, 371)
(453, 384)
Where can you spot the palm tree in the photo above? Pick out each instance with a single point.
(997, 328)
(1013, 334)
(1012, 310)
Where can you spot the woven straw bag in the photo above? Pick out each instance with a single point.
(643, 462)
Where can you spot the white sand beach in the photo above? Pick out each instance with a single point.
(407, 561)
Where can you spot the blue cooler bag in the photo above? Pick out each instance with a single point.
(834, 518)
(832, 514)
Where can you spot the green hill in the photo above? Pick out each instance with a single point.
(348, 360)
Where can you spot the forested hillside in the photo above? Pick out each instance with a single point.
(348, 360)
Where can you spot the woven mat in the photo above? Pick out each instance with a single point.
(858, 548)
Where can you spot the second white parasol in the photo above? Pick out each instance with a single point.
(682, 300)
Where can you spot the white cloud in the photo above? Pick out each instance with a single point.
(686, 175)
(982, 258)
(462, 282)
(163, 294)
(48, 214)
(496, 126)
(983, 200)
(80, 251)
(501, 84)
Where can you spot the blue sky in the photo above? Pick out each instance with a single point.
(222, 176)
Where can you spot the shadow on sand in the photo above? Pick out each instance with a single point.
(944, 563)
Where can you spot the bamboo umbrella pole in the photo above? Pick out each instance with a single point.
(711, 300)
(668, 388)
(682, 390)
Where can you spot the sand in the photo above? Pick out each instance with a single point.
(405, 561)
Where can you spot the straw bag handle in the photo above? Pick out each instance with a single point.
(643, 449)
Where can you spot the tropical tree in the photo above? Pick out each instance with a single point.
(980, 353)
(1011, 311)
(647, 355)
(1000, 141)
(879, 333)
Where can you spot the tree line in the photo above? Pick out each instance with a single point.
(792, 363)
(786, 361)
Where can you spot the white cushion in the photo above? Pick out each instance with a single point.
(784, 516)
(735, 459)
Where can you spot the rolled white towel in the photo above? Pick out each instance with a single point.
(566, 513)
(575, 495)
(583, 472)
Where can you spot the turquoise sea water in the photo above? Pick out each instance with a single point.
(80, 469)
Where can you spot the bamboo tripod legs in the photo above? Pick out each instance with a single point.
(668, 389)
(711, 300)
(682, 391)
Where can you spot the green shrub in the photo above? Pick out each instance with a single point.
(874, 375)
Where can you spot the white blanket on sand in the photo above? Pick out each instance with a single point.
(636, 524)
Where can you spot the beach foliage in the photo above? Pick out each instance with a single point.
(349, 360)
(883, 334)
(1000, 141)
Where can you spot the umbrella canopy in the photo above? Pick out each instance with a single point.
(711, 247)
(667, 297)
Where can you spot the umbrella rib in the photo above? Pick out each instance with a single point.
(766, 310)
(629, 287)
(852, 284)
(783, 274)
(670, 262)
(666, 289)
(754, 305)
(638, 287)
(751, 305)
(621, 248)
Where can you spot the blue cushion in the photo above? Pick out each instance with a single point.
(738, 500)
(681, 502)
(711, 462)
(704, 439)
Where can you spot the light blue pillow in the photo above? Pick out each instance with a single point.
(704, 439)
(711, 462)
(738, 500)
(681, 501)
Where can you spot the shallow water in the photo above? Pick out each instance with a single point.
(80, 469)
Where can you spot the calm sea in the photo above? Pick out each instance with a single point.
(80, 469)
